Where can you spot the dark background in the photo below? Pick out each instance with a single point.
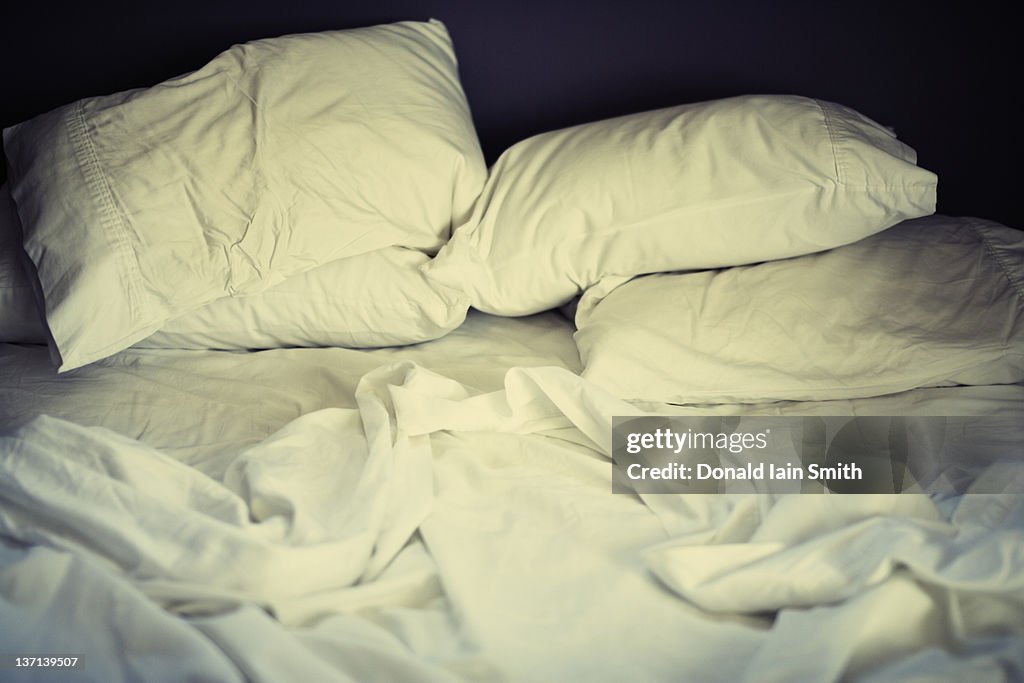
(941, 74)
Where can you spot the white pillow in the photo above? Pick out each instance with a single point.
(20, 320)
(376, 299)
(706, 185)
(277, 156)
(930, 302)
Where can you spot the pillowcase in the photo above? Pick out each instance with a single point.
(19, 316)
(705, 185)
(375, 299)
(277, 156)
(930, 302)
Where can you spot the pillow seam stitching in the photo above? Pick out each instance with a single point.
(991, 250)
(112, 221)
(833, 142)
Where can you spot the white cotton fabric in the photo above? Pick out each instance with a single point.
(380, 298)
(277, 156)
(704, 185)
(376, 299)
(196, 404)
(304, 510)
(932, 301)
(436, 532)
(39, 584)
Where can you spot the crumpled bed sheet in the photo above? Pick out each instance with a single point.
(434, 532)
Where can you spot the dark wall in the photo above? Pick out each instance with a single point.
(941, 74)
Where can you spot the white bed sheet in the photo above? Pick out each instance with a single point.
(193, 404)
(435, 516)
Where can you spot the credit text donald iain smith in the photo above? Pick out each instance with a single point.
(667, 440)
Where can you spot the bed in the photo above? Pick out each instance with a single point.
(295, 386)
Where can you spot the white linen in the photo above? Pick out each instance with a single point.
(197, 404)
(380, 298)
(545, 573)
(277, 156)
(376, 299)
(929, 302)
(704, 185)
(58, 601)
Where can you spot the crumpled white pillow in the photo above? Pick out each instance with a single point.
(930, 302)
(277, 156)
(704, 185)
(376, 299)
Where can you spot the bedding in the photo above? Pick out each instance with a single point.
(376, 299)
(411, 521)
(931, 301)
(380, 298)
(704, 185)
(194, 405)
(442, 508)
(277, 156)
